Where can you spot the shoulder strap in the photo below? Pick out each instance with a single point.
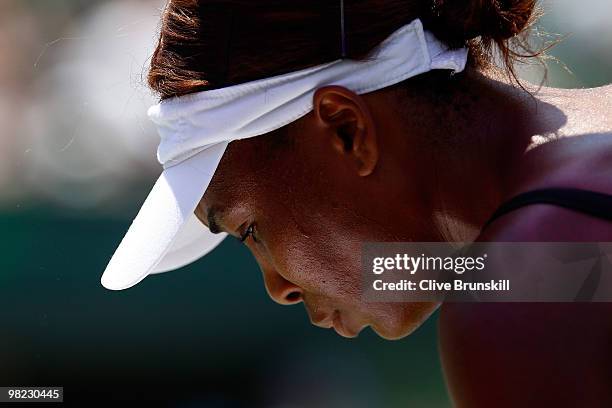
(589, 202)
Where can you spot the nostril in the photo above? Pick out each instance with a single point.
(293, 296)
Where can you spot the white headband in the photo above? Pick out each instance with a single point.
(195, 130)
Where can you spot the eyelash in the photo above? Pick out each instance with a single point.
(250, 231)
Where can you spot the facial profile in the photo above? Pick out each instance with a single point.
(301, 200)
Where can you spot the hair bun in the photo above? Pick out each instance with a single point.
(497, 20)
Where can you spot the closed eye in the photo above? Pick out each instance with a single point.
(250, 232)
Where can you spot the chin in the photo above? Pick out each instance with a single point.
(393, 333)
(404, 323)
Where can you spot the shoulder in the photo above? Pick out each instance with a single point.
(546, 223)
(585, 111)
(583, 163)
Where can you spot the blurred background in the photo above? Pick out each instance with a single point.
(77, 158)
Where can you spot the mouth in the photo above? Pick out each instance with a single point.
(335, 321)
(324, 322)
(341, 327)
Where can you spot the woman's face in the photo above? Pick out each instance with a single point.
(303, 208)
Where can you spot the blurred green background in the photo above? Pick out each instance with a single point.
(76, 161)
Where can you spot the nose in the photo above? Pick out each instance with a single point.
(280, 289)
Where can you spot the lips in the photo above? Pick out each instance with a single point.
(324, 321)
(335, 320)
(342, 328)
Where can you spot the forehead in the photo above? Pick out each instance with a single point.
(246, 168)
(237, 171)
(265, 173)
(249, 163)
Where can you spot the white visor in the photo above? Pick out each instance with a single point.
(166, 235)
(196, 129)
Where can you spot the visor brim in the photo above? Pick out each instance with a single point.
(164, 235)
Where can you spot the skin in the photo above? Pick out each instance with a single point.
(400, 166)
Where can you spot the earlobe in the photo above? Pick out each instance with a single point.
(350, 124)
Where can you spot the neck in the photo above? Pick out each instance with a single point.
(472, 156)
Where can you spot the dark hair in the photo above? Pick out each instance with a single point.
(208, 44)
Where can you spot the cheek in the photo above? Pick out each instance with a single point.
(317, 261)
(310, 244)
(313, 237)
(323, 257)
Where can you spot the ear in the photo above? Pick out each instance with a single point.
(351, 126)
